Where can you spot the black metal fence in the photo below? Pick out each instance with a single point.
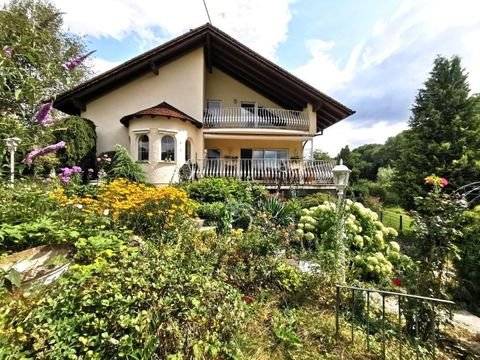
(361, 315)
(395, 220)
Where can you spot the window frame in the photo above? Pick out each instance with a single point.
(139, 151)
(174, 143)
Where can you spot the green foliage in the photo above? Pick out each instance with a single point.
(80, 138)
(281, 213)
(130, 302)
(123, 166)
(372, 254)
(444, 132)
(41, 231)
(211, 190)
(437, 229)
(211, 212)
(321, 155)
(24, 202)
(315, 199)
(468, 264)
(35, 31)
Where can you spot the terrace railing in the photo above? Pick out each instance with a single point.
(268, 172)
(360, 310)
(263, 118)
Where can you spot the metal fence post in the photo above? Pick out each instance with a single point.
(337, 310)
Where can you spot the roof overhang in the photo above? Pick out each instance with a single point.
(228, 55)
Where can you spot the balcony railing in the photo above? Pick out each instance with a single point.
(268, 172)
(262, 118)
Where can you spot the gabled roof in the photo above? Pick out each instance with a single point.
(162, 109)
(228, 55)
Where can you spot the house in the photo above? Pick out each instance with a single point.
(203, 105)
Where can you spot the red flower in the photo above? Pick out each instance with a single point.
(397, 282)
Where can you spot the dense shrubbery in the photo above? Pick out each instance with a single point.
(146, 210)
(129, 302)
(371, 251)
(468, 264)
(210, 190)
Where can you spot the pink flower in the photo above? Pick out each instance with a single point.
(32, 155)
(72, 64)
(43, 115)
(8, 51)
(397, 282)
(444, 182)
(76, 169)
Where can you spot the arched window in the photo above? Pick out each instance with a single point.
(143, 148)
(188, 150)
(168, 148)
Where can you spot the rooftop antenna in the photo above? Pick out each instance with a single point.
(208, 15)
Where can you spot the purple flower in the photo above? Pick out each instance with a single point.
(43, 115)
(8, 51)
(76, 169)
(65, 179)
(66, 171)
(72, 64)
(32, 155)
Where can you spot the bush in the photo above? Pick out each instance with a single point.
(281, 213)
(211, 190)
(130, 302)
(370, 252)
(80, 137)
(211, 212)
(468, 264)
(24, 202)
(41, 231)
(124, 167)
(147, 210)
(314, 200)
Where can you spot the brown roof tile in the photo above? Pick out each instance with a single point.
(162, 109)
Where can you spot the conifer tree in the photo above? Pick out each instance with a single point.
(444, 136)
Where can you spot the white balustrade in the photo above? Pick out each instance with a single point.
(266, 171)
(238, 117)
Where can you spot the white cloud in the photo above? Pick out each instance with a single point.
(384, 71)
(322, 70)
(262, 25)
(352, 134)
(414, 24)
(101, 65)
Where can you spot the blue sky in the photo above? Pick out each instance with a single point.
(372, 55)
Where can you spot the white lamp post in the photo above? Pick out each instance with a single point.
(341, 174)
(11, 144)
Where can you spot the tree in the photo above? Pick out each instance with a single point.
(33, 48)
(444, 136)
(125, 167)
(321, 155)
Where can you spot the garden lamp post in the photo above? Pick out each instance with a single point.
(341, 174)
(11, 144)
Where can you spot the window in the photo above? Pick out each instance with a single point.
(168, 148)
(214, 104)
(248, 106)
(188, 150)
(143, 148)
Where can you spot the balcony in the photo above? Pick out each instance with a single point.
(260, 118)
(267, 172)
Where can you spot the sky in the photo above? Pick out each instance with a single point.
(372, 55)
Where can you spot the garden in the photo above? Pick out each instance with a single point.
(96, 263)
